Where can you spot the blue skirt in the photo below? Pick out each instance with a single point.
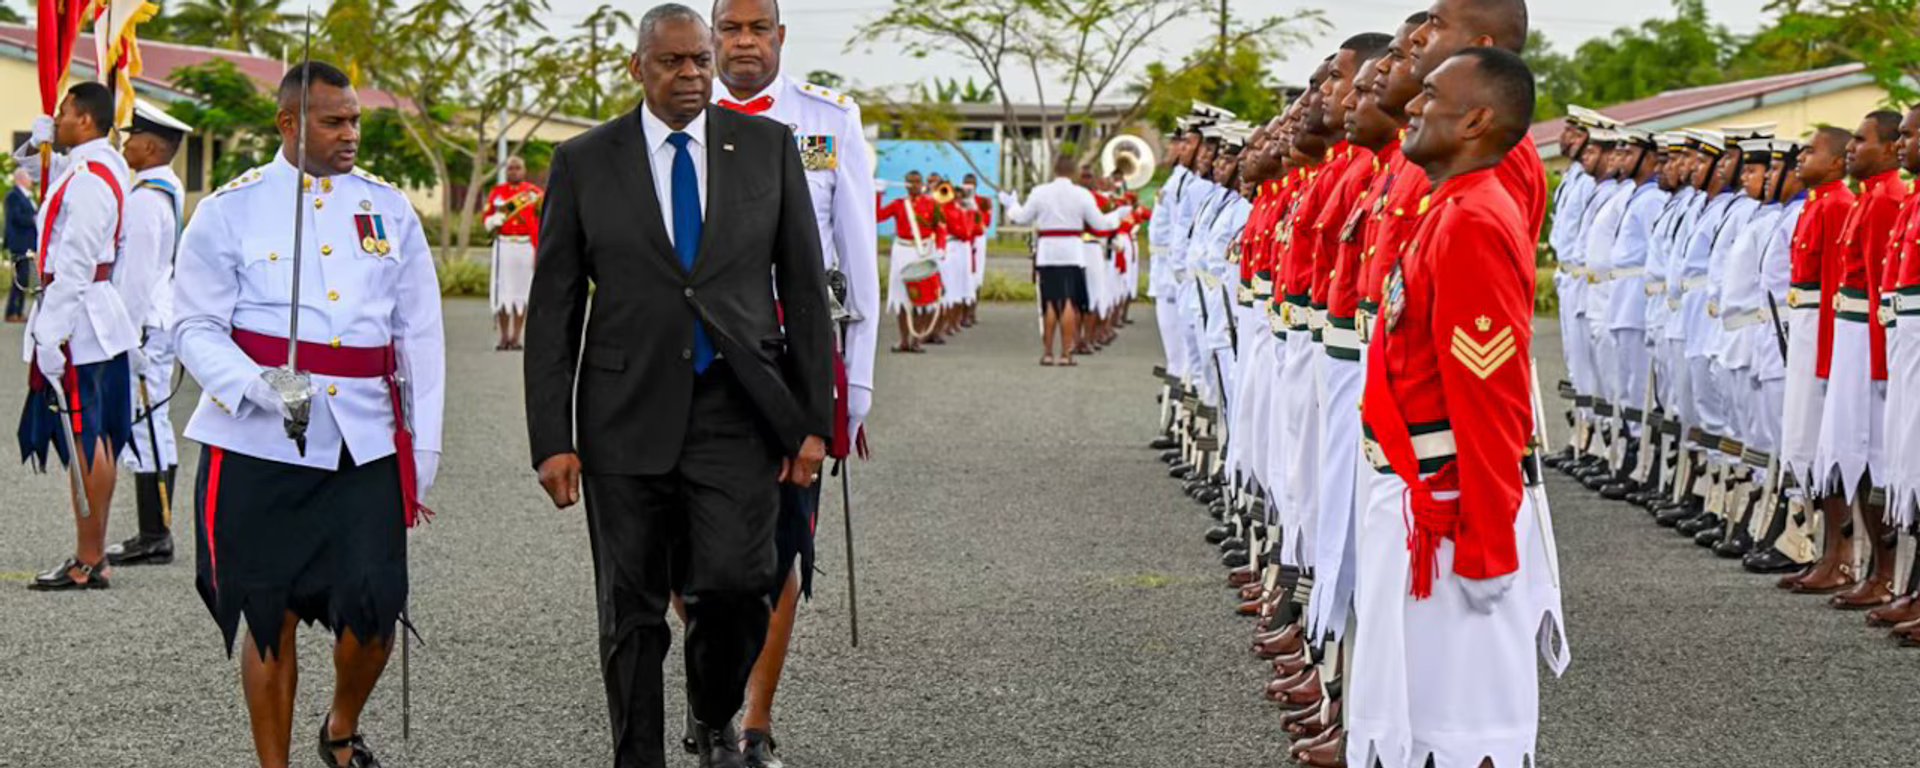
(99, 405)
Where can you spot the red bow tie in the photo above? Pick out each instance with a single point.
(753, 107)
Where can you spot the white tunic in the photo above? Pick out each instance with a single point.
(235, 271)
(89, 316)
(843, 203)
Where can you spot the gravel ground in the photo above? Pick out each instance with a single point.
(1034, 592)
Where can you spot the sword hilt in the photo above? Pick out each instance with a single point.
(295, 390)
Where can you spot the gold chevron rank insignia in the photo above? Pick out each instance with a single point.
(1483, 358)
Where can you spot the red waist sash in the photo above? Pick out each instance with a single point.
(351, 363)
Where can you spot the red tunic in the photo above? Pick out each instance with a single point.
(959, 220)
(1393, 222)
(1452, 351)
(1258, 229)
(1817, 241)
(1903, 261)
(1299, 245)
(1853, 269)
(985, 205)
(931, 224)
(1526, 180)
(524, 221)
(1332, 234)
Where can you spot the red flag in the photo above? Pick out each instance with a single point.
(58, 29)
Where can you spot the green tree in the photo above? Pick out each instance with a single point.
(1882, 34)
(9, 15)
(1073, 53)
(1557, 80)
(255, 26)
(827, 78)
(1241, 85)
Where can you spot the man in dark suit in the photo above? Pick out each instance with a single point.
(20, 243)
(697, 393)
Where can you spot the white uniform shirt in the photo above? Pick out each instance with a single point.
(1165, 264)
(145, 274)
(1626, 296)
(833, 147)
(660, 155)
(235, 271)
(1666, 230)
(90, 316)
(1739, 287)
(1610, 206)
(1060, 205)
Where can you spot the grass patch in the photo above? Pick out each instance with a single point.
(464, 277)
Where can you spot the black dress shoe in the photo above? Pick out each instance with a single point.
(1161, 443)
(1218, 533)
(1669, 517)
(718, 748)
(1232, 543)
(1170, 456)
(61, 578)
(1208, 495)
(758, 750)
(1618, 491)
(359, 755)
(1769, 561)
(1598, 480)
(1234, 559)
(1708, 537)
(141, 550)
(1694, 525)
(1736, 545)
(1179, 470)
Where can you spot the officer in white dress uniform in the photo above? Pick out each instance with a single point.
(145, 279)
(310, 530)
(749, 38)
(79, 331)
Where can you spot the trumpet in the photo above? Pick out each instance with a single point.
(943, 192)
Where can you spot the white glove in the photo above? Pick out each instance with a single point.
(493, 222)
(426, 464)
(262, 396)
(1483, 594)
(137, 360)
(42, 130)
(859, 404)
(1009, 200)
(52, 362)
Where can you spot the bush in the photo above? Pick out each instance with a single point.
(1546, 301)
(464, 277)
(1000, 286)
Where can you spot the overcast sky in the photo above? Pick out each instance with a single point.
(818, 31)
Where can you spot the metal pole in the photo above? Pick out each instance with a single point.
(853, 588)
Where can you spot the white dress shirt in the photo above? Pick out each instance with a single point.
(75, 309)
(235, 271)
(660, 155)
(1060, 205)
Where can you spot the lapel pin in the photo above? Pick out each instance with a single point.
(726, 147)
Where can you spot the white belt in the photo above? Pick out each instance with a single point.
(1262, 286)
(1845, 303)
(1433, 445)
(1243, 294)
(1741, 319)
(1619, 273)
(515, 238)
(1673, 302)
(1276, 322)
(1341, 338)
(1798, 299)
(1210, 280)
(1656, 287)
(1692, 283)
(1316, 319)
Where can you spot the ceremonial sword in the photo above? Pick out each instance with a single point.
(843, 315)
(294, 387)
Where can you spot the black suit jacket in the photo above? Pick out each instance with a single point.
(20, 222)
(601, 225)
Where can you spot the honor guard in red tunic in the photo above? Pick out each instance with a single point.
(1852, 355)
(513, 215)
(1818, 238)
(1455, 554)
(1900, 312)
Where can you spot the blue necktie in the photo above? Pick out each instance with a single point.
(686, 233)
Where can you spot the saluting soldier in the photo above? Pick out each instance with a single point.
(1456, 561)
(749, 37)
(152, 228)
(310, 529)
(79, 332)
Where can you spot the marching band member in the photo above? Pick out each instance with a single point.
(513, 215)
